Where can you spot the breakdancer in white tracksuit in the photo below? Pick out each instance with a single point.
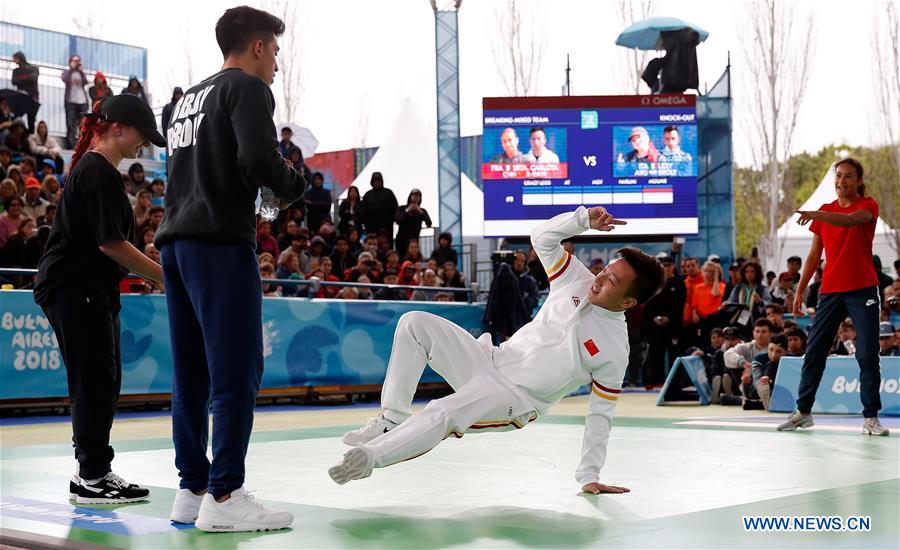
(578, 337)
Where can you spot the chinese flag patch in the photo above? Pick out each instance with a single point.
(591, 347)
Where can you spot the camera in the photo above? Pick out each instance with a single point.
(893, 304)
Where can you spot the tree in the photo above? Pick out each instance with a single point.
(886, 81)
(779, 44)
(633, 61)
(291, 57)
(519, 46)
(88, 24)
(803, 175)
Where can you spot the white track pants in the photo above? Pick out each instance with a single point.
(483, 399)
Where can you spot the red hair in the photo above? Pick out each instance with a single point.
(92, 129)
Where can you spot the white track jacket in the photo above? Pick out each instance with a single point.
(569, 343)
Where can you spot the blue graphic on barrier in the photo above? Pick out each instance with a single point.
(839, 391)
(94, 519)
(305, 343)
(693, 368)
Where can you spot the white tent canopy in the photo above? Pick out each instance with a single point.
(408, 160)
(795, 239)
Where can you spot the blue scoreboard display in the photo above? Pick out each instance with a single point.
(634, 155)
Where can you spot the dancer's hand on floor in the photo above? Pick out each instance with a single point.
(597, 488)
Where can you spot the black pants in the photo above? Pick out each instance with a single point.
(215, 322)
(86, 323)
(863, 308)
(657, 366)
(74, 112)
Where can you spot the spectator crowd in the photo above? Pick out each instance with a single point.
(733, 319)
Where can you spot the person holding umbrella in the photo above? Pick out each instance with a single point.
(88, 252)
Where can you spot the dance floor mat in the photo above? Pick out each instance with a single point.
(693, 483)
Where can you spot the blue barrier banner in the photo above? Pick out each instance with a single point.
(839, 391)
(305, 343)
(805, 321)
(692, 366)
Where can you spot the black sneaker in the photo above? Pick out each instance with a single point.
(111, 489)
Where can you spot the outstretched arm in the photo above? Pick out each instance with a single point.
(546, 237)
(597, 425)
(835, 218)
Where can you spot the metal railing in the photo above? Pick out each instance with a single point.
(314, 283)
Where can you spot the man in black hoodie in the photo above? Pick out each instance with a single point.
(25, 78)
(379, 207)
(221, 150)
(318, 203)
(177, 94)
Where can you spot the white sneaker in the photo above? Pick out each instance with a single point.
(241, 512)
(765, 393)
(186, 506)
(796, 420)
(357, 464)
(872, 426)
(373, 428)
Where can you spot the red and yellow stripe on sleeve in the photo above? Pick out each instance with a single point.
(560, 267)
(602, 391)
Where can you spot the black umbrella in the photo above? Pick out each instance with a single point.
(19, 103)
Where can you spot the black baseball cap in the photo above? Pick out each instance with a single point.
(731, 332)
(131, 110)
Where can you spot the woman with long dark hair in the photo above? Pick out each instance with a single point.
(750, 295)
(350, 212)
(88, 252)
(409, 220)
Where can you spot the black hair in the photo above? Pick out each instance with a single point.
(780, 339)
(670, 128)
(446, 235)
(240, 26)
(717, 332)
(798, 333)
(764, 323)
(756, 269)
(537, 129)
(650, 276)
(318, 175)
(9, 201)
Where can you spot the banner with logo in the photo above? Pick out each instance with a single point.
(839, 391)
(305, 343)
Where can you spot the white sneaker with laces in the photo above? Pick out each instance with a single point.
(765, 394)
(370, 430)
(872, 426)
(241, 512)
(186, 507)
(796, 420)
(357, 463)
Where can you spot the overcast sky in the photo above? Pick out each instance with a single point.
(362, 58)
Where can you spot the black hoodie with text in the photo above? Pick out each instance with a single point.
(221, 150)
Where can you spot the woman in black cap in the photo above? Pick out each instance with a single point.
(88, 252)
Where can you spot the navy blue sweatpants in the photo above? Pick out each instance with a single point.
(863, 307)
(214, 295)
